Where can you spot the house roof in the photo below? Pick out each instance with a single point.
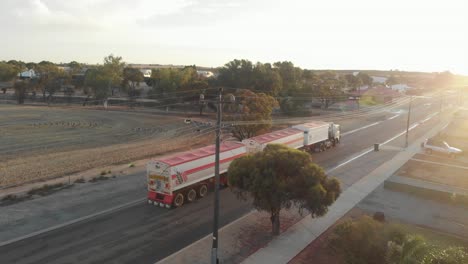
(191, 155)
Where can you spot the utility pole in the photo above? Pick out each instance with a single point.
(441, 96)
(441, 102)
(214, 248)
(408, 121)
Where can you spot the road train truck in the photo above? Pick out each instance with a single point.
(184, 177)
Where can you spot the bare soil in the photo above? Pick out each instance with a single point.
(38, 143)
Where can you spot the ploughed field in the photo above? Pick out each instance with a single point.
(46, 142)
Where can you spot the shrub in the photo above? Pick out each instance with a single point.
(45, 189)
(363, 241)
(370, 241)
(131, 165)
(100, 178)
(9, 197)
(80, 180)
(103, 173)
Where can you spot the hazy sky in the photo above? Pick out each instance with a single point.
(423, 35)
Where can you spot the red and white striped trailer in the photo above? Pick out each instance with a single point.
(182, 177)
(290, 137)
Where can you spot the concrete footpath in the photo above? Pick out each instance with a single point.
(295, 239)
(244, 239)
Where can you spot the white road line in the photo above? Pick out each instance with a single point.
(366, 151)
(393, 117)
(350, 160)
(72, 222)
(361, 128)
(439, 163)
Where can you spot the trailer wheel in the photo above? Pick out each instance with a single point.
(322, 147)
(202, 191)
(191, 195)
(178, 200)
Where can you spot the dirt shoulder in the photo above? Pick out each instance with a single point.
(127, 165)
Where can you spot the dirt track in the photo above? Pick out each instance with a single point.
(45, 142)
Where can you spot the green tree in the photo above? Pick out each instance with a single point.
(31, 65)
(8, 72)
(365, 79)
(255, 110)
(369, 241)
(412, 251)
(100, 80)
(112, 70)
(450, 255)
(281, 177)
(75, 67)
(21, 88)
(290, 75)
(132, 78)
(392, 80)
(97, 84)
(20, 65)
(363, 240)
(354, 82)
(47, 80)
(164, 82)
(236, 74)
(416, 250)
(266, 79)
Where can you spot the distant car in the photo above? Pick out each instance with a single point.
(431, 145)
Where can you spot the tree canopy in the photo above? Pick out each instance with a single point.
(252, 107)
(369, 241)
(281, 177)
(100, 80)
(8, 71)
(185, 82)
(131, 80)
(49, 78)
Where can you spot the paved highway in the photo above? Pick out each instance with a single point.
(145, 234)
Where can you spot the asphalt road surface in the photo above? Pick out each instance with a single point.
(145, 234)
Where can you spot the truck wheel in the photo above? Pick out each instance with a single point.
(429, 151)
(178, 200)
(322, 147)
(202, 191)
(191, 195)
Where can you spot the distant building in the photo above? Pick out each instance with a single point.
(206, 74)
(402, 88)
(29, 74)
(146, 72)
(379, 94)
(64, 68)
(379, 79)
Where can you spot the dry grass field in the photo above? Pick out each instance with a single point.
(38, 143)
